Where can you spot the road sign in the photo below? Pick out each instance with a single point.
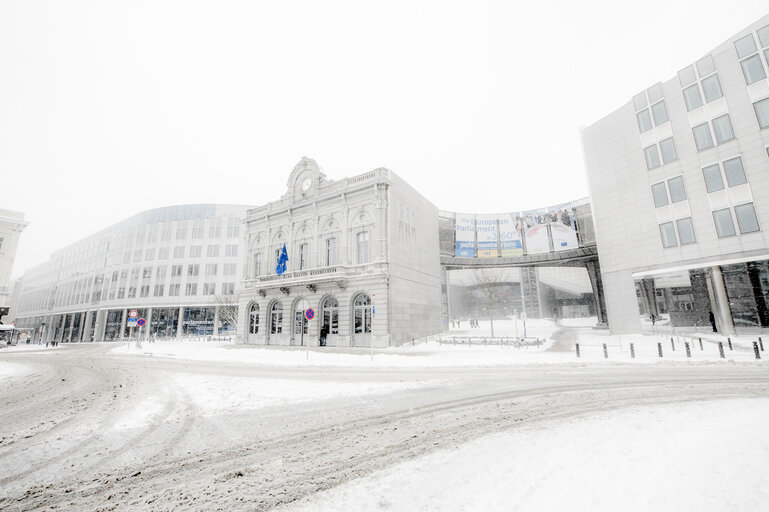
(131, 321)
(373, 310)
(133, 314)
(140, 322)
(309, 313)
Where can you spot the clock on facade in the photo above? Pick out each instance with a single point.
(306, 184)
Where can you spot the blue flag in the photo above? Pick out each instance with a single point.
(282, 260)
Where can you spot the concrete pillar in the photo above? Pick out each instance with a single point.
(594, 273)
(82, 326)
(122, 323)
(148, 325)
(723, 312)
(621, 302)
(180, 322)
(216, 321)
(88, 333)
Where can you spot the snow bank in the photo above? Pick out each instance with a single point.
(12, 370)
(674, 457)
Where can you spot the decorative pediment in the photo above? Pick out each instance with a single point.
(304, 180)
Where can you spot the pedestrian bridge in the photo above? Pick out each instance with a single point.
(556, 236)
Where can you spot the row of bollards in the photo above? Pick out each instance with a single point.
(758, 347)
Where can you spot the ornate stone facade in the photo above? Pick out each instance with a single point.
(362, 255)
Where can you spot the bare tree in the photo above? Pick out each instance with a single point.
(488, 282)
(228, 310)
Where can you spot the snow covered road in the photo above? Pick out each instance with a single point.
(86, 428)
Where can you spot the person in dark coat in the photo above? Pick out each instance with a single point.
(712, 319)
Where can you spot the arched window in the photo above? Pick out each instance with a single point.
(362, 243)
(362, 313)
(257, 264)
(330, 251)
(330, 309)
(276, 318)
(304, 256)
(253, 319)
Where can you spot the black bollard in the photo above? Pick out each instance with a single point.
(688, 351)
(605, 352)
(721, 349)
(673, 344)
(730, 343)
(659, 349)
(632, 351)
(760, 343)
(577, 345)
(701, 344)
(755, 349)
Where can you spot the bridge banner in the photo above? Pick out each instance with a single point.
(510, 235)
(563, 227)
(465, 239)
(486, 226)
(535, 224)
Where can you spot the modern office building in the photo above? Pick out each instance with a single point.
(179, 267)
(679, 183)
(363, 254)
(11, 225)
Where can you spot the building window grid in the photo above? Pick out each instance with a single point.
(707, 86)
(650, 108)
(753, 60)
(730, 171)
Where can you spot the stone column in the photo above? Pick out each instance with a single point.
(148, 325)
(88, 334)
(101, 324)
(216, 320)
(122, 324)
(723, 312)
(180, 322)
(83, 316)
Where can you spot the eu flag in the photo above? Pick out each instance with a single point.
(282, 260)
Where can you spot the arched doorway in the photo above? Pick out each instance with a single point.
(253, 322)
(329, 329)
(276, 323)
(362, 316)
(299, 325)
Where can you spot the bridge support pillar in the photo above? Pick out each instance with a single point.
(594, 272)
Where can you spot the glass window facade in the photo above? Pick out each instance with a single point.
(668, 234)
(724, 223)
(735, 173)
(652, 157)
(713, 180)
(677, 190)
(692, 97)
(668, 150)
(685, 231)
(660, 194)
(702, 137)
(722, 126)
(746, 218)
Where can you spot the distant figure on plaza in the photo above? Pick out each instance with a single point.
(653, 318)
(712, 319)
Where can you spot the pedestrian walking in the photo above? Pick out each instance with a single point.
(712, 319)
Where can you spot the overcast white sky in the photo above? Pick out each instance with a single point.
(111, 108)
